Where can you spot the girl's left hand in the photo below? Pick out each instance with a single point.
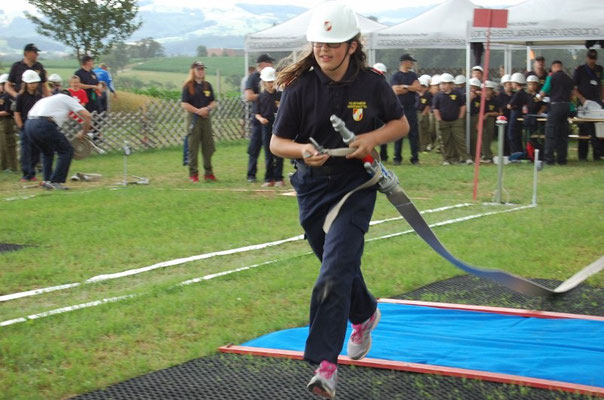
(364, 144)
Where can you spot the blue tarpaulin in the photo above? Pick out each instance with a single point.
(567, 350)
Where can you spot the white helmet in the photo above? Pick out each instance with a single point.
(332, 22)
(490, 85)
(3, 78)
(475, 82)
(427, 78)
(423, 81)
(30, 76)
(460, 79)
(268, 74)
(532, 78)
(446, 78)
(435, 80)
(519, 78)
(380, 67)
(477, 68)
(55, 78)
(505, 78)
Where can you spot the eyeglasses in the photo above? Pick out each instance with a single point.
(318, 45)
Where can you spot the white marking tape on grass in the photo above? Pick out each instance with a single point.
(452, 221)
(178, 261)
(232, 271)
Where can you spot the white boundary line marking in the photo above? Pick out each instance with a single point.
(178, 261)
(232, 271)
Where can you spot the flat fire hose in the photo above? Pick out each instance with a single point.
(388, 184)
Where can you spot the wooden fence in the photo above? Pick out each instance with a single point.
(159, 124)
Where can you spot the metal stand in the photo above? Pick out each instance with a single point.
(536, 169)
(127, 152)
(501, 125)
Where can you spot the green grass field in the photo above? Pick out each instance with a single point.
(226, 65)
(100, 228)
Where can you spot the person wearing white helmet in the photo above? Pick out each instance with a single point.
(427, 78)
(252, 91)
(475, 95)
(518, 107)
(29, 62)
(265, 110)
(424, 106)
(26, 98)
(460, 82)
(406, 85)
(535, 107)
(198, 100)
(434, 89)
(449, 109)
(380, 67)
(477, 72)
(43, 130)
(491, 112)
(55, 82)
(8, 142)
(502, 99)
(333, 79)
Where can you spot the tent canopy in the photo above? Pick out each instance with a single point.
(548, 22)
(443, 26)
(291, 35)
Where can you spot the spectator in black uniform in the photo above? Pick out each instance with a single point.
(30, 61)
(502, 100)
(539, 71)
(89, 82)
(27, 97)
(588, 81)
(556, 127)
(265, 111)
(518, 107)
(406, 85)
(252, 90)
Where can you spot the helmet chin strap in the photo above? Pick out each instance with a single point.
(345, 54)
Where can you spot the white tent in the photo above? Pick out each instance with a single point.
(291, 35)
(443, 26)
(548, 22)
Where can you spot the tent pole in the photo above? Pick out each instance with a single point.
(528, 58)
(246, 63)
(468, 51)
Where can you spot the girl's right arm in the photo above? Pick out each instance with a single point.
(18, 119)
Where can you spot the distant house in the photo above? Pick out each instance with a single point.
(225, 52)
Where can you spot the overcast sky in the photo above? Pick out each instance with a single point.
(14, 8)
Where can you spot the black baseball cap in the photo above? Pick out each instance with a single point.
(31, 47)
(407, 57)
(540, 58)
(264, 58)
(198, 64)
(591, 53)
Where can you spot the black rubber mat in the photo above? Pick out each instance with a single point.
(5, 247)
(234, 377)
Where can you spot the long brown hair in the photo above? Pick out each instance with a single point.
(190, 82)
(289, 73)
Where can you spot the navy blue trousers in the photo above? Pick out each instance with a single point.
(272, 163)
(340, 294)
(253, 149)
(46, 136)
(30, 155)
(411, 114)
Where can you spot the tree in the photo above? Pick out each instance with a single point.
(147, 48)
(202, 51)
(89, 26)
(118, 57)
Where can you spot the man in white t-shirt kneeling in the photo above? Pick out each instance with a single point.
(42, 129)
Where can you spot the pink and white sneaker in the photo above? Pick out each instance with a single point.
(360, 339)
(323, 384)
